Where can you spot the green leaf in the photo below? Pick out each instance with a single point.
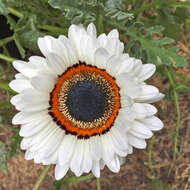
(29, 39)
(115, 4)
(3, 8)
(14, 144)
(159, 52)
(76, 11)
(154, 30)
(118, 15)
(3, 159)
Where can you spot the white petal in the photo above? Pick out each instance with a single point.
(56, 64)
(75, 34)
(72, 54)
(52, 159)
(139, 130)
(102, 40)
(113, 34)
(102, 164)
(20, 76)
(91, 30)
(76, 160)
(137, 67)
(113, 65)
(143, 110)
(108, 147)
(130, 149)
(30, 129)
(41, 65)
(31, 100)
(127, 85)
(155, 98)
(60, 171)
(126, 101)
(122, 122)
(29, 155)
(53, 145)
(95, 147)
(146, 72)
(96, 168)
(25, 117)
(120, 138)
(114, 46)
(44, 83)
(114, 165)
(16, 99)
(42, 136)
(136, 142)
(100, 58)
(30, 107)
(126, 65)
(125, 115)
(25, 143)
(153, 123)
(25, 68)
(147, 93)
(66, 149)
(87, 159)
(19, 85)
(49, 144)
(45, 44)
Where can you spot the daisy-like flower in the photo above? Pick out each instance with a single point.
(84, 104)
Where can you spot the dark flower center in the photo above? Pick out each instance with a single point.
(86, 101)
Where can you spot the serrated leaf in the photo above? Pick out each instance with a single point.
(115, 4)
(156, 52)
(154, 30)
(76, 11)
(118, 15)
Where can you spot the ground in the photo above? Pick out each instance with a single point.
(135, 174)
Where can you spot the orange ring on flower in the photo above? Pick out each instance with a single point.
(62, 119)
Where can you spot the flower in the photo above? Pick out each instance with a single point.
(84, 104)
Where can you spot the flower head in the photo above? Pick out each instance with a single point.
(84, 104)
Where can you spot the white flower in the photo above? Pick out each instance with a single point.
(85, 105)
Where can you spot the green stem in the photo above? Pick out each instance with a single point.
(98, 184)
(6, 40)
(176, 101)
(150, 155)
(42, 177)
(7, 58)
(77, 179)
(15, 12)
(100, 25)
(53, 29)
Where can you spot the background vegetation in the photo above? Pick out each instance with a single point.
(155, 31)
